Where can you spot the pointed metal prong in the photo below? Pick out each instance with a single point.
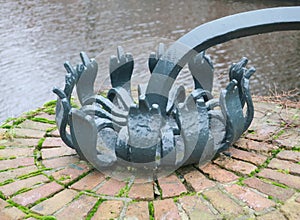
(121, 54)
(85, 59)
(113, 63)
(160, 50)
(69, 67)
(202, 70)
(243, 62)
(60, 93)
(152, 61)
(249, 72)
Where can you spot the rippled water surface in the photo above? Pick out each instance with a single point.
(38, 36)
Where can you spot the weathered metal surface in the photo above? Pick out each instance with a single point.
(165, 128)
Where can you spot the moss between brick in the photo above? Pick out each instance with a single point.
(240, 181)
(205, 197)
(40, 143)
(7, 182)
(76, 179)
(10, 134)
(42, 120)
(21, 191)
(48, 218)
(48, 107)
(94, 209)
(176, 198)
(266, 163)
(34, 173)
(278, 134)
(51, 103)
(279, 185)
(2, 196)
(8, 158)
(28, 212)
(49, 111)
(296, 148)
(124, 191)
(49, 130)
(151, 210)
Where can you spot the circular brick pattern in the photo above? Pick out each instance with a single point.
(41, 176)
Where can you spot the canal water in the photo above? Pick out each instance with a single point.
(36, 37)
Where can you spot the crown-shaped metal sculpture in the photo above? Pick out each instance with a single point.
(165, 127)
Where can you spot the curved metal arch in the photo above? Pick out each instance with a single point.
(211, 34)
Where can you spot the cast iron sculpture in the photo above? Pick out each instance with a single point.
(165, 128)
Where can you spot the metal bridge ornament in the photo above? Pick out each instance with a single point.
(166, 128)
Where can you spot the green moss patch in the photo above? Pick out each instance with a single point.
(151, 210)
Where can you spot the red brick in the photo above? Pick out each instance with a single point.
(16, 152)
(271, 216)
(261, 147)
(141, 191)
(46, 115)
(54, 133)
(288, 166)
(35, 194)
(77, 209)
(57, 152)
(224, 204)
(165, 209)
(171, 186)
(12, 188)
(108, 210)
(137, 210)
(196, 179)
(111, 187)
(263, 133)
(254, 200)
(217, 173)
(7, 212)
(55, 203)
(60, 161)
(289, 138)
(89, 182)
(20, 142)
(71, 172)
(289, 155)
(35, 125)
(195, 208)
(290, 210)
(250, 157)
(12, 174)
(15, 163)
(28, 133)
(287, 179)
(238, 166)
(51, 142)
(269, 189)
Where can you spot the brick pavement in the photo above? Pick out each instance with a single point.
(40, 176)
